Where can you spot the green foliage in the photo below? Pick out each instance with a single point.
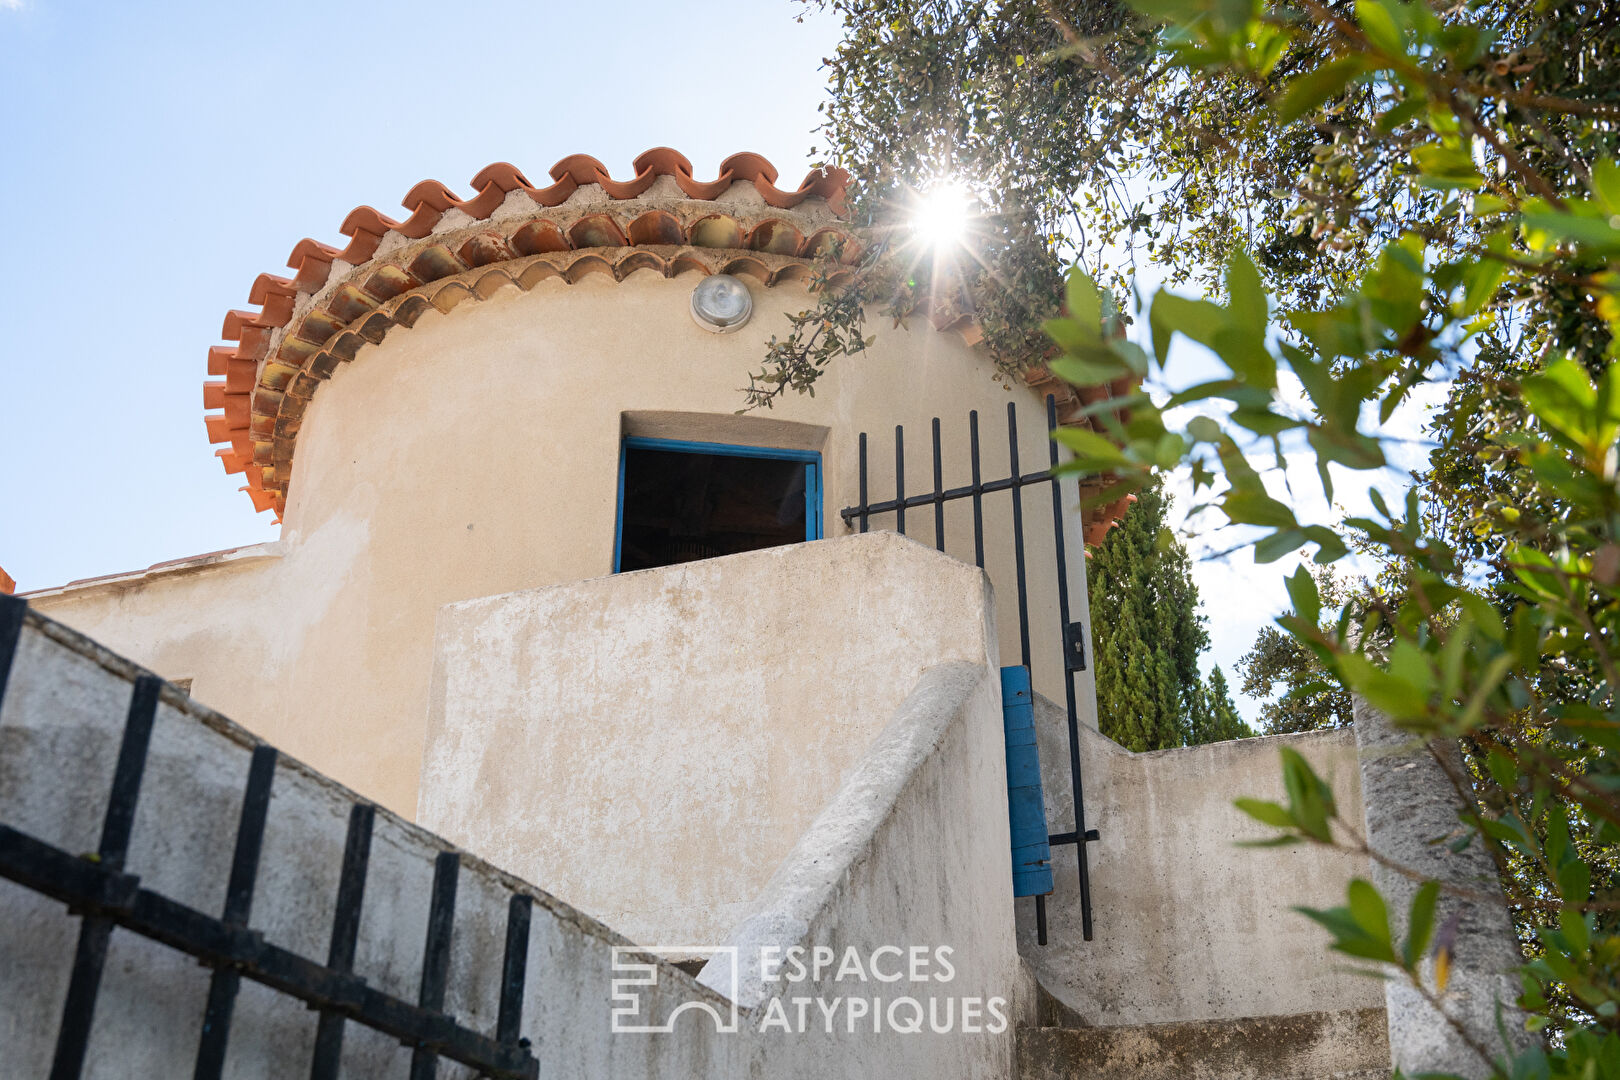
(1214, 716)
(816, 337)
(1496, 617)
(1311, 807)
(927, 90)
(1147, 630)
(1383, 196)
(1308, 697)
(1122, 160)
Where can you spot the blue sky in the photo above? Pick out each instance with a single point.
(158, 157)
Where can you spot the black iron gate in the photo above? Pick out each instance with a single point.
(99, 890)
(1073, 634)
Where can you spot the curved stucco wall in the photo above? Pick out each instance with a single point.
(477, 454)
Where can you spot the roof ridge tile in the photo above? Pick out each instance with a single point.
(323, 334)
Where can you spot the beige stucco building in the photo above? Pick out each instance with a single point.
(438, 413)
(550, 601)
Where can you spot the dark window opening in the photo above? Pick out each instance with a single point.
(681, 505)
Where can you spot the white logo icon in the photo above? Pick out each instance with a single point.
(628, 1018)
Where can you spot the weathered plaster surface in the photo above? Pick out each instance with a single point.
(1188, 926)
(819, 870)
(285, 640)
(930, 773)
(59, 732)
(477, 454)
(912, 851)
(651, 745)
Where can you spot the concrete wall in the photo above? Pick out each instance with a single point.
(60, 725)
(930, 775)
(1187, 925)
(651, 745)
(1415, 791)
(476, 454)
(912, 852)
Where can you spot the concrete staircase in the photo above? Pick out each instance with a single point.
(1348, 1045)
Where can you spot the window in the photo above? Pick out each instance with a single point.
(683, 501)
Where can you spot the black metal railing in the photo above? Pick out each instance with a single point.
(1072, 633)
(105, 897)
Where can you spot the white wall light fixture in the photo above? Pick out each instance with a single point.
(721, 304)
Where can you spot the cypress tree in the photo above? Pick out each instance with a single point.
(1147, 630)
(1215, 718)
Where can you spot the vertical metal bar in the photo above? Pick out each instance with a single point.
(250, 836)
(436, 953)
(900, 478)
(1018, 533)
(12, 611)
(126, 785)
(1075, 779)
(1040, 920)
(939, 489)
(222, 987)
(73, 1038)
(345, 935)
(90, 957)
(978, 493)
(514, 968)
(864, 515)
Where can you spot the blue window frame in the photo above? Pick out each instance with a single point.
(811, 479)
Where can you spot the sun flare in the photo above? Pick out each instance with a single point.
(942, 216)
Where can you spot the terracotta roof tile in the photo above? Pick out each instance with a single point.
(309, 323)
(1073, 404)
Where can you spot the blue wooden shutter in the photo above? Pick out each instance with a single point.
(1026, 813)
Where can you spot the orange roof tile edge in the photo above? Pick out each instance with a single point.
(258, 381)
(8, 584)
(430, 200)
(1072, 403)
(263, 396)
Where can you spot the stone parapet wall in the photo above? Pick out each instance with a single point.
(1190, 926)
(61, 722)
(912, 846)
(652, 745)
